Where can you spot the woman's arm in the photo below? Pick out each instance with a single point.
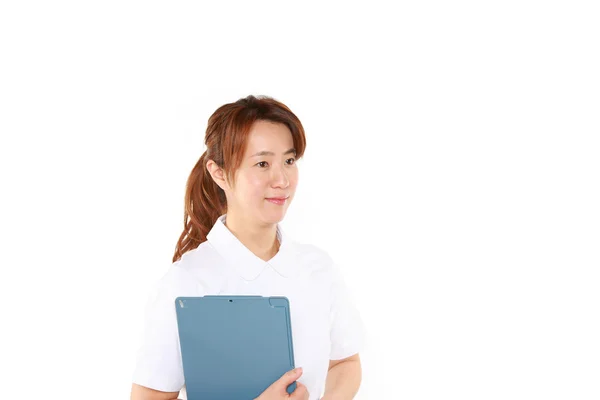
(143, 393)
(343, 378)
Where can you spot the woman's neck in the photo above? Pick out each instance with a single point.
(259, 239)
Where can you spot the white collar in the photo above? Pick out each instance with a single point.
(246, 263)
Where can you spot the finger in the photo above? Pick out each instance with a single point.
(300, 393)
(289, 377)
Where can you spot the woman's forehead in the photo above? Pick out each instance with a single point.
(269, 136)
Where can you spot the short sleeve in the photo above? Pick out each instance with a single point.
(158, 362)
(347, 328)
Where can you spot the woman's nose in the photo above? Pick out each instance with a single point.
(280, 178)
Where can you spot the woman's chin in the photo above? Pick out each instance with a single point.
(273, 216)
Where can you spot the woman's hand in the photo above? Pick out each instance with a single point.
(278, 390)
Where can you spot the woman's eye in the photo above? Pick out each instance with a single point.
(291, 161)
(262, 164)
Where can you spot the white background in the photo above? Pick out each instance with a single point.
(452, 169)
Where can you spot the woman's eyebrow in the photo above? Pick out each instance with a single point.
(270, 153)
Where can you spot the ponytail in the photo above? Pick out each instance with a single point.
(204, 204)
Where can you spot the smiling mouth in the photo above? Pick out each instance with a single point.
(277, 200)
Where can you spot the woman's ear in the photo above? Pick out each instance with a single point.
(218, 174)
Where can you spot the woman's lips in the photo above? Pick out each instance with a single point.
(277, 200)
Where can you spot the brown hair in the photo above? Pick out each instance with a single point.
(226, 138)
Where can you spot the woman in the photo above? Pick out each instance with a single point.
(236, 195)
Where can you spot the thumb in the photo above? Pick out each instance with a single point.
(289, 377)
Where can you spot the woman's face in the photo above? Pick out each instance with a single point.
(265, 183)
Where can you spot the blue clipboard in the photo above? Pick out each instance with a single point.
(234, 347)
